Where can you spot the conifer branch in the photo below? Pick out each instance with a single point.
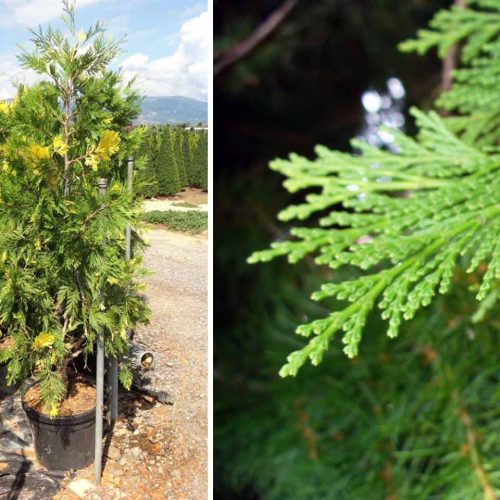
(232, 55)
(94, 214)
(488, 491)
(451, 59)
(408, 217)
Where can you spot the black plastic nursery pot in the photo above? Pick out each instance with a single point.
(63, 443)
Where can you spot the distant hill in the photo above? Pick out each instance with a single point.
(172, 110)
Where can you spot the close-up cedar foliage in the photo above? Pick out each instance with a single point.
(410, 216)
(390, 242)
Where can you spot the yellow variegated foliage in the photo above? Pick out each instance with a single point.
(43, 340)
(51, 409)
(60, 147)
(92, 161)
(4, 107)
(9, 151)
(37, 152)
(108, 145)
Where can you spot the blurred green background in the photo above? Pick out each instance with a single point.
(389, 424)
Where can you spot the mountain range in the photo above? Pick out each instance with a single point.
(172, 110)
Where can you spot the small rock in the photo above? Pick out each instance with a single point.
(120, 432)
(114, 453)
(81, 487)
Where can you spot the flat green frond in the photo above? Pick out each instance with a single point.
(406, 218)
(475, 26)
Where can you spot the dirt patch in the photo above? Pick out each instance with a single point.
(163, 205)
(191, 196)
(81, 398)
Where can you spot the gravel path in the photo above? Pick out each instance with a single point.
(178, 333)
(159, 451)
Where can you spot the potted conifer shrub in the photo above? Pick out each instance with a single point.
(63, 277)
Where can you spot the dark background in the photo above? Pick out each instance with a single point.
(299, 88)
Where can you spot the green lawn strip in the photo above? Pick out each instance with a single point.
(192, 221)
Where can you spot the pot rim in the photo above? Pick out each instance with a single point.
(45, 419)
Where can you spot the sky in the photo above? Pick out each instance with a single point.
(166, 49)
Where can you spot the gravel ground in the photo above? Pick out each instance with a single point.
(160, 451)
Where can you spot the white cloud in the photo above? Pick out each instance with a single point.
(184, 73)
(194, 10)
(11, 73)
(30, 13)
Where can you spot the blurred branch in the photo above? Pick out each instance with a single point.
(227, 57)
(488, 491)
(451, 59)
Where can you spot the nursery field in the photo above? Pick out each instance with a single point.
(160, 451)
(175, 213)
(172, 158)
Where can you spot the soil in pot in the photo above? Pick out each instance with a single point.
(81, 399)
(6, 389)
(68, 440)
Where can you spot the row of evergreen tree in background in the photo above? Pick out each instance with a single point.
(173, 158)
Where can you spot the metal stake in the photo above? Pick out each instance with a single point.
(128, 254)
(112, 390)
(128, 234)
(103, 183)
(113, 387)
